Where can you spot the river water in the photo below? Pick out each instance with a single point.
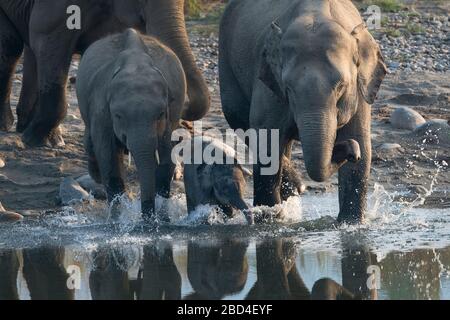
(401, 252)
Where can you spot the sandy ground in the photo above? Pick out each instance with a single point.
(30, 180)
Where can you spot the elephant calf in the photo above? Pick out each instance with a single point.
(131, 98)
(216, 184)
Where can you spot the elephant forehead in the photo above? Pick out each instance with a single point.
(147, 85)
(317, 35)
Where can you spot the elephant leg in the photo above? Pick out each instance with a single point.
(235, 106)
(93, 168)
(166, 167)
(291, 184)
(354, 177)
(267, 187)
(111, 171)
(11, 47)
(53, 64)
(164, 173)
(29, 95)
(110, 160)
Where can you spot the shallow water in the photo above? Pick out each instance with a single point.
(401, 252)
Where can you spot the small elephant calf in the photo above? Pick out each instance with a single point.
(216, 184)
(131, 97)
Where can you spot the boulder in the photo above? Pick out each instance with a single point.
(389, 150)
(88, 184)
(434, 131)
(71, 192)
(406, 118)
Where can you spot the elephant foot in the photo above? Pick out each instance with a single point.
(34, 140)
(6, 120)
(56, 139)
(349, 219)
(348, 150)
(22, 125)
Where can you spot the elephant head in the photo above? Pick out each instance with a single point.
(165, 20)
(229, 186)
(139, 98)
(324, 73)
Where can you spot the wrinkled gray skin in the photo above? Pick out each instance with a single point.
(131, 98)
(310, 69)
(38, 29)
(216, 184)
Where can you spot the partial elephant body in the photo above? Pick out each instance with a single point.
(311, 70)
(41, 27)
(131, 98)
(215, 184)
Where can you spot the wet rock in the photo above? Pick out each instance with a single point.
(88, 184)
(71, 192)
(8, 216)
(387, 150)
(406, 118)
(434, 132)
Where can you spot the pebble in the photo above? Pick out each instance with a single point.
(70, 191)
(71, 117)
(420, 42)
(406, 118)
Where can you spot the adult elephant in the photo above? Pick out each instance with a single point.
(39, 28)
(311, 69)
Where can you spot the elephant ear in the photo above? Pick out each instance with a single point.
(371, 66)
(270, 69)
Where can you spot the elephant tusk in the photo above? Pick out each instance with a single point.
(129, 160)
(157, 157)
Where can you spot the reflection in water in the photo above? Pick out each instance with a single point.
(356, 259)
(412, 275)
(9, 269)
(224, 268)
(45, 275)
(160, 277)
(109, 278)
(217, 270)
(277, 275)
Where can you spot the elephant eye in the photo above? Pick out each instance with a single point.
(161, 115)
(118, 116)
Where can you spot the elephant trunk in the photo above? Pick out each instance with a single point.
(323, 155)
(144, 155)
(165, 20)
(318, 137)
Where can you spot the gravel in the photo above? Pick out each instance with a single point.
(410, 42)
